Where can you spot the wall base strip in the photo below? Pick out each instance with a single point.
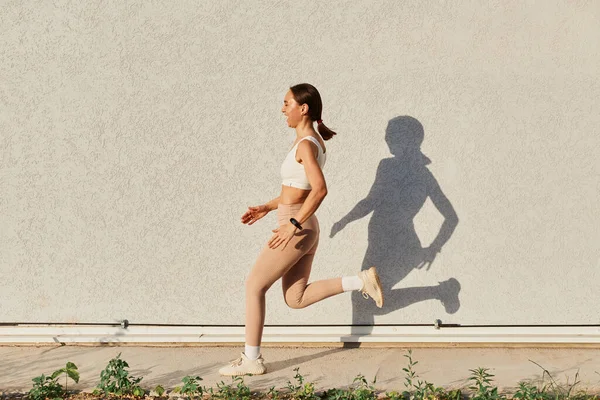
(316, 334)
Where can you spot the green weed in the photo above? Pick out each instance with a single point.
(47, 387)
(115, 379)
(159, 390)
(362, 390)
(191, 387)
(556, 391)
(301, 390)
(417, 389)
(273, 393)
(359, 390)
(528, 391)
(483, 390)
(228, 392)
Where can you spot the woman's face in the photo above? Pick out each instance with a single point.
(292, 110)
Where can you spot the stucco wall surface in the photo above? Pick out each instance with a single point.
(134, 135)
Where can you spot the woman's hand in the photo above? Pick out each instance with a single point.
(282, 235)
(254, 214)
(338, 226)
(428, 256)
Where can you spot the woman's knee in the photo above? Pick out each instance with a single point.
(294, 302)
(256, 286)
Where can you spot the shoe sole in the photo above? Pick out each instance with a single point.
(378, 289)
(243, 373)
(240, 373)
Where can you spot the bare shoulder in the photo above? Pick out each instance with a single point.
(306, 149)
(321, 142)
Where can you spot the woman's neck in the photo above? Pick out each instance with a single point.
(305, 128)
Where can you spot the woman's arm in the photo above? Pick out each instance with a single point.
(441, 202)
(272, 204)
(284, 233)
(254, 213)
(315, 177)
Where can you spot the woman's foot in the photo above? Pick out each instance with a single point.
(244, 366)
(371, 286)
(448, 295)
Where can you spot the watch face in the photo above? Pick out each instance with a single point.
(295, 223)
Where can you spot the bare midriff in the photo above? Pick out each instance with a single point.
(291, 195)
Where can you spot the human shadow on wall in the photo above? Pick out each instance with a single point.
(402, 184)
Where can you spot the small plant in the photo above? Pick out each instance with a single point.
(228, 392)
(190, 388)
(224, 391)
(301, 390)
(45, 387)
(243, 391)
(394, 395)
(455, 394)
(528, 391)
(362, 389)
(159, 390)
(336, 394)
(434, 393)
(48, 387)
(70, 371)
(558, 392)
(273, 393)
(483, 390)
(417, 389)
(115, 379)
(409, 372)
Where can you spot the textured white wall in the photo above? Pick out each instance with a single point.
(134, 134)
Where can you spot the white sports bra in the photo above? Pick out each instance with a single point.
(292, 172)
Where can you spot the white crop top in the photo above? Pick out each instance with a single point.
(292, 172)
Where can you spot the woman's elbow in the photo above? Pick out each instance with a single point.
(320, 192)
(453, 219)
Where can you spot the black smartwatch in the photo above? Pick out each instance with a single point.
(296, 223)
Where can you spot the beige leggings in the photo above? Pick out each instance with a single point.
(293, 265)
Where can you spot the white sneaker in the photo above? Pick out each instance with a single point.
(371, 286)
(244, 366)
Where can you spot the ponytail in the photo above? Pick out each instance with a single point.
(324, 131)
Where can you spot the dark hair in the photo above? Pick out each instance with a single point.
(305, 93)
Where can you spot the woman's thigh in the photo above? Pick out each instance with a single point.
(272, 264)
(295, 280)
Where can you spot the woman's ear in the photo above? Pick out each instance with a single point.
(304, 108)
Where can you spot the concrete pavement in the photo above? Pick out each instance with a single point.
(327, 367)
